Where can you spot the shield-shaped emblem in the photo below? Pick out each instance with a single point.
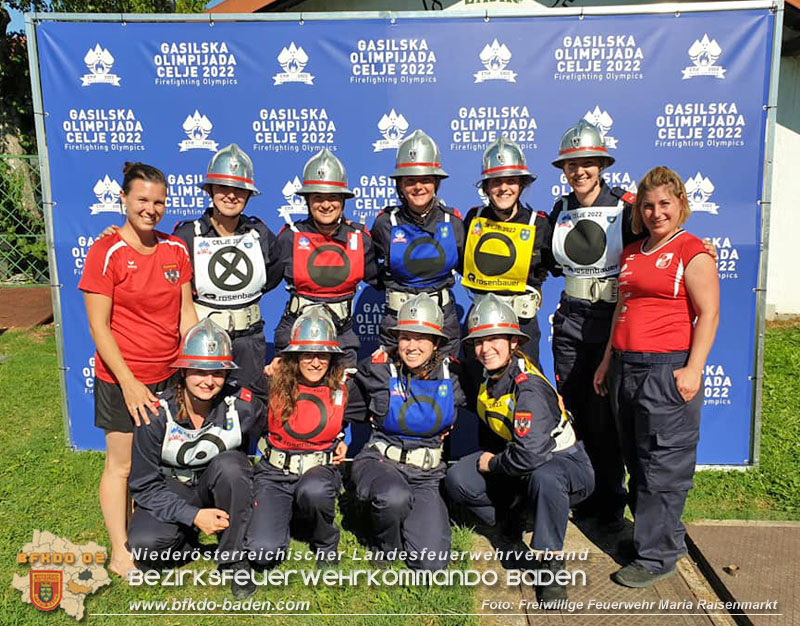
(46, 589)
(525, 234)
(412, 154)
(664, 260)
(172, 273)
(522, 423)
(321, 173)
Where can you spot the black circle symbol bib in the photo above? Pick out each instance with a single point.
(418, 416)
(325, 273)
(424, 258)
(495, 254)
(230, 263)
(585, 243)
(323, 417)
(201, 454)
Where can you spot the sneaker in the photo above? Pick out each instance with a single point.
(548, 595)
(636, 576)
(248, 588)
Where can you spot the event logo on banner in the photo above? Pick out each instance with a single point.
(197, 128)
(495, 57)
(700, 124)
(293, 60)
(393, 127)
(79, 252)
(377, 61)
(89, 130)
(699, 189)
(372, 195)
(612, 179)
(107, 191)
(295, 129)
(474, 128)
(603, 121)
(598, 58)
(295, 204)
(185, 197)
(99, 61)
(717, 384)
(704, 54)
(727, 258)
(194, 63)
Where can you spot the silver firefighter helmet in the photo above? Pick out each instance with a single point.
(231, 166)
(421, 314)
(418, 155)
(502, 158)
(581, 141)
(491, 316)
(324, 173)
(314, 331)
(206, 346)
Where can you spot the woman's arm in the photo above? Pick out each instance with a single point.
(702, 286)
(138, 398)
(188, 312)
(601, 373)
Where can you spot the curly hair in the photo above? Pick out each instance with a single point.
(659, 177)
(283, 388)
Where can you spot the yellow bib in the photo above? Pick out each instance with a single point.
(498, 413)
(497, 255)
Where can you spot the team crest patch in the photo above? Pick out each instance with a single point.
(46, 589)
(172, 273)
(445, 231)
(522, 423)
(476, 228)
(443, 390)
(525, 234)
(664, 260)
(304, 243)
(399, 237)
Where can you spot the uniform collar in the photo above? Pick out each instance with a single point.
(208, 228)
(340, 234)
(429, 223)
(523, 215)
(606, 198)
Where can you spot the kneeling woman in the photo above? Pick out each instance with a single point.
(537, 463)
(296, 481)
(411, 396)
(189, 469)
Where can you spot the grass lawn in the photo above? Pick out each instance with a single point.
(45, 486)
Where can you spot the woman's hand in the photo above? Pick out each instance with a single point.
(601, 376)
(688, 382)
(211, 521)
(108, 231)
(710, 248)
(269, 370)
(483, 462)
(138, 399)
(339, 453)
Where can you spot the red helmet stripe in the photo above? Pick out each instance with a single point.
(505, 167)
(570, 150)
(229, 177)
(313, 343)
(419, 165)
(324, 182)
(498, 325)
(203, 357)
(419, 323)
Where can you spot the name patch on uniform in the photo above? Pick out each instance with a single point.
(522, 422)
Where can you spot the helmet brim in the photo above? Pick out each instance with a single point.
(201, 364)
(584, 154)
(494, 332)
(227, 182)
(418, 170)
(418, 328)
(314, 348)
(306, 190)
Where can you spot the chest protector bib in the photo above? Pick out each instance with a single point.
(189, 448)
(315, 423)
(228, 270)
(418, 259)
(497, 255)
(587, 242)
(326, 268)
(499, 413)
(419, 408)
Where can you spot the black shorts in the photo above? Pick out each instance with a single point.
(110, 412)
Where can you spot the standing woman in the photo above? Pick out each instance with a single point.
(325, 256)
(410, 395)
(234, 262)
(590, 228)
(664, 326)
(507, 240)
(190, 469)
(535, 463)
(136, 285)
(419, 244)
(296, 481)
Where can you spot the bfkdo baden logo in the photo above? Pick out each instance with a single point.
(99, 62)
(61, 573)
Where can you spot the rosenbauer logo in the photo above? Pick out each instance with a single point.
(99, 61)
(393, 127)
(704, 54)
(107, 191)
(698, 191)
(603, 121)
(495, 57)
(197, 128)
(293, 60)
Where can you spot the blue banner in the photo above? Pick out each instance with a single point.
(685, 91)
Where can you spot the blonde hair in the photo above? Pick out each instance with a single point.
(659, 177)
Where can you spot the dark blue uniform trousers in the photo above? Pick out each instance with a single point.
(548, 491)
(407, 509)
(303, 506)
(580, 335)
(659, 433)
(250, 354)
(449, 347)
(224, 484)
